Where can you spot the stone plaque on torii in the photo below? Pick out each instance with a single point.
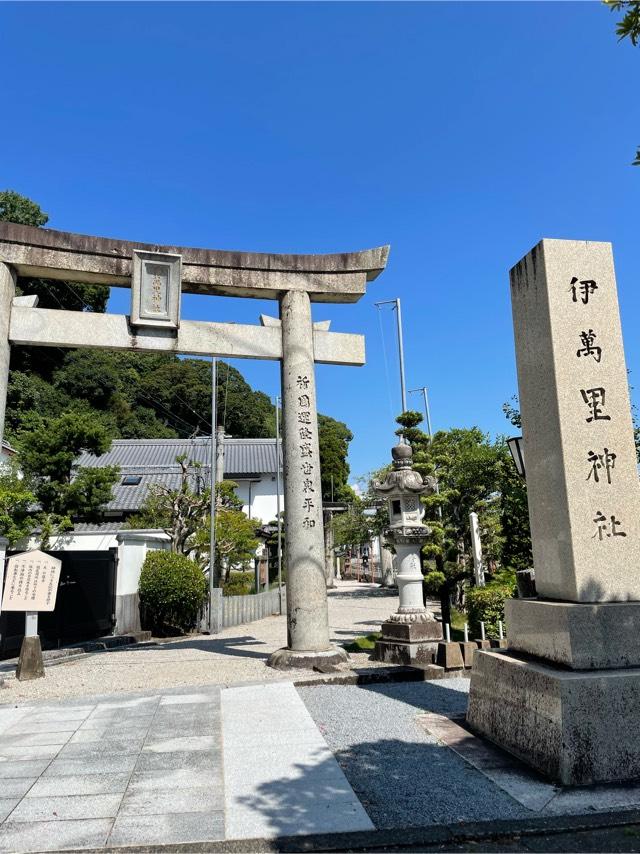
(158, 275)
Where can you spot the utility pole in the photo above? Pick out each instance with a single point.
(423, 389)
(213, 575)
(396, 303)
(279, 517)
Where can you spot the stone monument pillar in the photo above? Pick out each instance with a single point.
(307, 615)
(565, 697)
(411, 635)
(476, 547)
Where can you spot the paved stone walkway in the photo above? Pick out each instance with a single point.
(149, 770)
(259, 762)
(236, 655)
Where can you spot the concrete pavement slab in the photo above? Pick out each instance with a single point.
(85, 784)
(24, 768)
(104, 747)
(165, 801)
(121, 764)
(85, 736)
(165, 829)
(7, 805)
(169, 745)
(185, 699)
(16, 788)
(19, 752)
(66, 807)
(179, 759)
(27, 726)
(286, 787)
(10, 739)
(166, 779)
(54, 835)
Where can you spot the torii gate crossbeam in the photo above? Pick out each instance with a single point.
(294, 280)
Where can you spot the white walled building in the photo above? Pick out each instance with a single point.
(251, 463)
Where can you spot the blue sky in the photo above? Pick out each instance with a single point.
(460, 133)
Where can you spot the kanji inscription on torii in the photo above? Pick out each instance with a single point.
(155, 289)
(31, 583)
(582, 479)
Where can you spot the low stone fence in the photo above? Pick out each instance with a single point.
(236, 610)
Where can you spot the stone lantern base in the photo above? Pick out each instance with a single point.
(410, 643)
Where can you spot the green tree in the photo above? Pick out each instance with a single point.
(628, 27)
(48, 449)
(467, 466)
(51, 292)
(333, 440)
(16, 500)
(181, 512)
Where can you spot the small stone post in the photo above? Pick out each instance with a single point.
(219, 454)
(411, 635)
(565, 695)
(476, 546)
(329, 556)
(308, 643)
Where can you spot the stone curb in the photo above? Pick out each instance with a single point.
(396, 838)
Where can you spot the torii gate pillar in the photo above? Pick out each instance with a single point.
(307, 614)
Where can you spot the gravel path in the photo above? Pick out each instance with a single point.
(402, 776)
(235, 655)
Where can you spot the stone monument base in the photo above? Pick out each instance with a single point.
(413, 644)
(325, 660)
(30, 663)
(577, 635)
(577, 727)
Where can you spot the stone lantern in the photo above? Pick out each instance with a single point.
(411, 635)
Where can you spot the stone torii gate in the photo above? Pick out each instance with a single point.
(157, 275)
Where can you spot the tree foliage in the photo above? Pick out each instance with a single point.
(48, 448)
(474, 474)
(16, 500)
(628, 27)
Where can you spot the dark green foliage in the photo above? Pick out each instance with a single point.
(173, 589)
(434, 582)
(15, 501)
(514, 516)
(48, 448)
(629, 25)
(240, 584)
(20, 209)
(51, 292)
(333, 439)
(486, 604)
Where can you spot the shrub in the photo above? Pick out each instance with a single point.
(240, 584)
(486, 604)
(432, 583)
(173, 589)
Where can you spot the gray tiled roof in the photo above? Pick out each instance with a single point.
(155, 461)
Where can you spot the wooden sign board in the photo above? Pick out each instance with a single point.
(31, 583)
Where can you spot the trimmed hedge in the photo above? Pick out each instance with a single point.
(486, 604)
(173, 589)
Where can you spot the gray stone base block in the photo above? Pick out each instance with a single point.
(578, 728)
(289, 659)
(414, 654)
(429, 630)
(414, 644)
(449, 656)
(30, 663)
(468, 648)
(581, 636)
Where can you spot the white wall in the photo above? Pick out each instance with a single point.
(263, 497)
